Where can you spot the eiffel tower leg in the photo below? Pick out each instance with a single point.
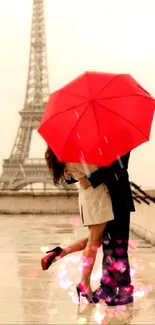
(16, 173)
(18, 170)
(21, 147)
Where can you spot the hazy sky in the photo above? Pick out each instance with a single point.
(106, 35)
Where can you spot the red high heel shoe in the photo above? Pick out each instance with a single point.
(47, 260)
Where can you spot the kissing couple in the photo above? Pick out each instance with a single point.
(105, 204)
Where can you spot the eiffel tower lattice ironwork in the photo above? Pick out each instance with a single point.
(18, 170)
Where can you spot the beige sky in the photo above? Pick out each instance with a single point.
(107, 35)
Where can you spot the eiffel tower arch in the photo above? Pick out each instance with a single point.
(18, 169)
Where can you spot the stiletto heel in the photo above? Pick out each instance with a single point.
(78, 293)
(81, 291)
(47, 260)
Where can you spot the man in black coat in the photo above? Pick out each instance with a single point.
(116, 269)
(115, 284)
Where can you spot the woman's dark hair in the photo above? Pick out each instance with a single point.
(55, 166)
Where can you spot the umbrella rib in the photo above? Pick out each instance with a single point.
(74, 95)
(94, 114)
(124, 96)
(67, 109)
(98, 128)
(107, 85)
(75, 126)
(108, 109)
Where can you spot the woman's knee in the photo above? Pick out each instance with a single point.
(96, 234)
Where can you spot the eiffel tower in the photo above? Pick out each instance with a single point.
(18, 170)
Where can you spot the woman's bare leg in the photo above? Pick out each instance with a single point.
(75, 247)
(90, 252)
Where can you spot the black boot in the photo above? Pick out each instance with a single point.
(104, 291)
(124, 297)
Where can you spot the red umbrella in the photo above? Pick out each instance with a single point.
(97, 118)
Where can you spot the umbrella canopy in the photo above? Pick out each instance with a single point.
(97, 118)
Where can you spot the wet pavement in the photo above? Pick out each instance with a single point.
(29, 295)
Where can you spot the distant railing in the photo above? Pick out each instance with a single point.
(41, 190)
(34, 161)
(140, 195)
(44, 188)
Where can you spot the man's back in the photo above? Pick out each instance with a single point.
(116, 179)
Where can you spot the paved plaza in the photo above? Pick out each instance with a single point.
(30, 296)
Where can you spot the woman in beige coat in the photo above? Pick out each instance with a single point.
(95, 211)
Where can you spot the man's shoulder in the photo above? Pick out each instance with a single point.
(120, 163)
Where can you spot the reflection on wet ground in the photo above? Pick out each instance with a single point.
(30, 296)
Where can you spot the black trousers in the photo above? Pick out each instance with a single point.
(115, 266)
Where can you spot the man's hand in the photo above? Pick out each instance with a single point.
(67, 175)
(84, 182)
